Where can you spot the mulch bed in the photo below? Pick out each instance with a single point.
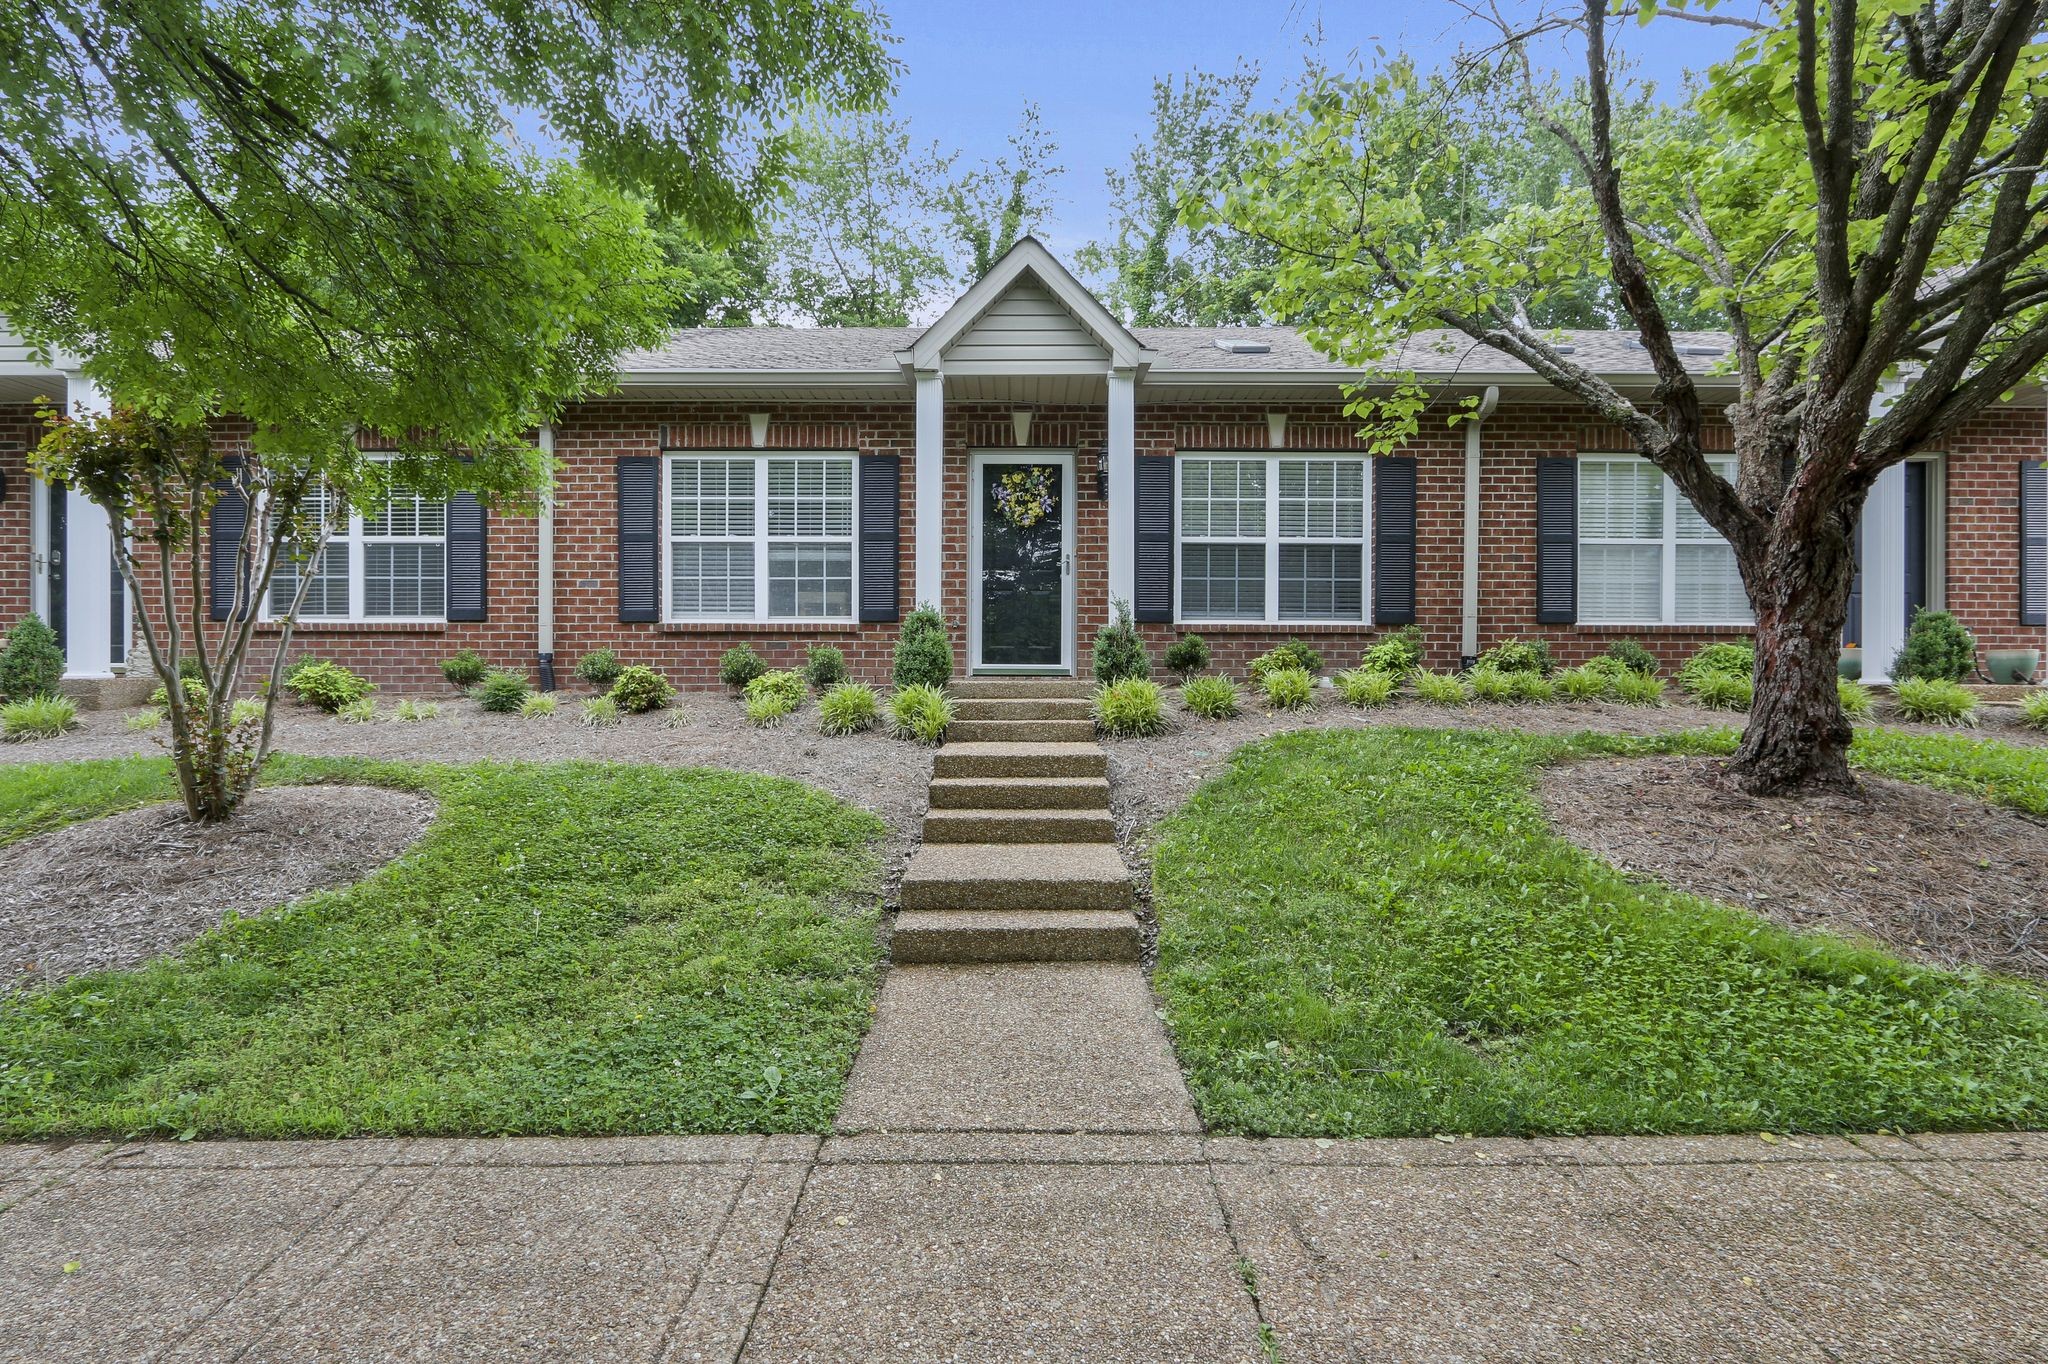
(1933, 877)
(113, 892)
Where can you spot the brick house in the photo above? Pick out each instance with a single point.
(1025, 460)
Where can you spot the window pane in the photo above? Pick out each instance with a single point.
(711, 580)
(1621, 583)
(405, 514)
(1322, 499)
(1693, 526)
(405, 580)
(810, 497)
(1620, 500)
(328, 595)
(1223, 582)
(711, 497)
(810, 581)
(1223, 497)
(1322, 582)
(1709, 587)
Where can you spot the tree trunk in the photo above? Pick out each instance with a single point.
(1798, 738)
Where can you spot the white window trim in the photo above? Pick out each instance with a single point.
(760, 537)
(355, 541)
(1273, 540)
(1670, 543)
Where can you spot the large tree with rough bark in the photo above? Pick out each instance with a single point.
(1863, 207)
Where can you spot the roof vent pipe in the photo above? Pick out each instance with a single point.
(1468, 647)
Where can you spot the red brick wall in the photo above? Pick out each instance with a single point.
(1983, 527)
(19, 432)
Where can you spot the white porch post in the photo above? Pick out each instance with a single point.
(1121, 462)
(931, 487)
(89, 629)
(1884, 574)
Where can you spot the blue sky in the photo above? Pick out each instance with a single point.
(971, 66)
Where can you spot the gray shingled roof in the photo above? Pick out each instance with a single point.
(775, 348)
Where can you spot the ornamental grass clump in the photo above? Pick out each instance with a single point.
(848, 708)
(2034, 711)
(1723, 691)
(921, 713)
(1533, 688)
(824, 666)
(1212, 698)
(37, 717)
(326, 685)
(411, 710)
(538, 706)
(640, 689)
(1440, 689)
(1399, 654)
(1489, 683)
(1935, 701)
(1288, 688)
(359, 712)
(1717, 660)
(1639, 689)
(774, 695)
(149, 717)
(1366, 688)
(739, 666)
(1119, 653)
(1584, 683)
(600, 668)
(599, 712)
(1187, 655)
(464, 668)
(1855, 698)
(1130, 708)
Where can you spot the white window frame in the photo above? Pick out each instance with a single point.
(760, 537)
(1670, 542)
(1273, 538)
(356, 542)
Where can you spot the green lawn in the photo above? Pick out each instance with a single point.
(571, 948)
(1369, 932)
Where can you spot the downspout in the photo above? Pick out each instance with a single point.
(544, 585)
(1468, 647)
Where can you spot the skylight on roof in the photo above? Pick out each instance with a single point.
(1243, 345)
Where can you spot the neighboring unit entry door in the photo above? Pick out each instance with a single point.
(1022, 562)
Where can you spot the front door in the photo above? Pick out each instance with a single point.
(1022, 562)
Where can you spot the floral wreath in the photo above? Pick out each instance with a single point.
(1024, 496)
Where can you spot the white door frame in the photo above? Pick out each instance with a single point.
(976, 461)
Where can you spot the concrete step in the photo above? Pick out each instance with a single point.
(1022, 708)
(1021, 731)
(1020, 760)
(1018, 826)
(1016, 876)
(925, 937)
(1019, 688)
(1019, 793)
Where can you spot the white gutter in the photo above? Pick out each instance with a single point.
(544, 584)
(1469, 646)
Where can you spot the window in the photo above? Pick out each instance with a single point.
(391, 564)
(1645, 556)
(760, 537)
(1272, 539)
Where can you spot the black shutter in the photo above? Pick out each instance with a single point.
(1393, 540)
(1852, 628)
(224, 528)
(2033, 543)
(881, 542)
(639, 541)
(1152, 517)
(468, 559)
(1557, 541)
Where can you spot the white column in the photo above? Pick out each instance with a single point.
(1884, 574)
(1121, 457)
(88, 562)
(931, 487)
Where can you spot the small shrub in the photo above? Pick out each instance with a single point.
(601, 667)
(1187, 655)
(1723, 691)
(1935, 701)
(190, 670)
(849, 708)
(1367, 687)
(598, 712)
(1212, 698)
(924, 651)
(773, 695)
(1938, 649)
(502, 692)
(921, 712)
(1293, 654)
(1119, 653)
(37, 717)
(149, 717)
(247, 711)
(328, 686)
(1854, 697)
(2034, 711)
(1533, 687)
(824, 666)
(465, 668)
(1633, 657)
(1489, 683)
(1585, 683)
(739, 666)
(31, 664)
(538, 706)
(1639, 689)
(1717, 660)
(194, 689)
(640, 689)
(1608, 667)
(1397, 655)
(360, 711)
(410, 709)
(1131, 707)
(1288, 688)
(1441, 689)
(1518, 656)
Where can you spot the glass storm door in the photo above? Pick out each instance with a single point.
(1024, 539)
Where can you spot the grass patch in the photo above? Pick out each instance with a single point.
(575, 948)
(1373, 932)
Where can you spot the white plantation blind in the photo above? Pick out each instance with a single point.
(761, 537)
(391, 564)
(1272, 538)
(1223, 498)
(1646, 557)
